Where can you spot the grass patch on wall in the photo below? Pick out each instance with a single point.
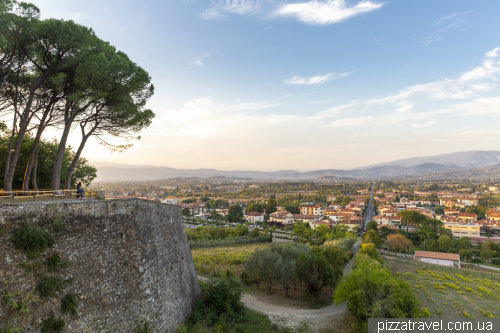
(32, 240)
(50, 285)
(69, 303)
(52, 324)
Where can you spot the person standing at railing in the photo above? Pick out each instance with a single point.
(79, 189)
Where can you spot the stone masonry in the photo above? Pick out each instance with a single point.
(129, 259)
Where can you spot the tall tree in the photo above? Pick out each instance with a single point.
(51, 47)
(271, 205)
(110, 94)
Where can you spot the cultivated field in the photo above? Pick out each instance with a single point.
(451, 292)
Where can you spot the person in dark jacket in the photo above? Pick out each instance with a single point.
(79, 189)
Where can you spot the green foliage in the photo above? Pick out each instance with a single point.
(54, 262)
(445, 242)
(69, 303)
(479, 210)
(294, 209)
(345, 244)
(370, 250)
(255, 323)
(287, 273)
(372, 237)
(46, 154)
(17, 303)
(372, 225)
(255, 233)
(185, 211)
(50, 285)
(337, 258)
(235, 213)
(216, 233)
(221, 298)
(52, 325)
(316, 271)
(254, 207)
(32, 240)
(372, 291)
(271, 205)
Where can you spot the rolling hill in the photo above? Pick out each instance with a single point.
(446, 164)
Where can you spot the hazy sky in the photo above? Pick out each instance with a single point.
(268, 84)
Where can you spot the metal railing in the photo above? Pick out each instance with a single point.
(38, 195)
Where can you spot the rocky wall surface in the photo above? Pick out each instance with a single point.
(129, 265)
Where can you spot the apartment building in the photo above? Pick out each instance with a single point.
(311, 210)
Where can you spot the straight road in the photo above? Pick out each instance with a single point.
(370, 211)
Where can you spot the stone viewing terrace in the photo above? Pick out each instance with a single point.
(43, 195)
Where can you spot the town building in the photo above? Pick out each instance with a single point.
(438, 258)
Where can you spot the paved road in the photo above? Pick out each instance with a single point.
(370, 211)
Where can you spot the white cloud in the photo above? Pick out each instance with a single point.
(241, 7)
(467, 85)
(198, 61)
(493, 53)
(421, 105)
(445, 23)
(326, 12)
(253, 106)
(354, 122)
(478, 106)
(420, 125)
(318, 79)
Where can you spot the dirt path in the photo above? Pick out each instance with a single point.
(316, 319)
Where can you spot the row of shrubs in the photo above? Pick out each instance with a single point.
(205, 243)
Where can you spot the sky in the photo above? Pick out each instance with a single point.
(304, 85)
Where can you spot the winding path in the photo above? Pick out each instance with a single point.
(317, 319)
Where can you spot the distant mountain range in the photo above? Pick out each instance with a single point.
(429, 166)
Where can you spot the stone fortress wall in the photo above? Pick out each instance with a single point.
(129, 260)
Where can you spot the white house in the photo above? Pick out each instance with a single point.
(171, 200)
(252, 217)
(437, 258)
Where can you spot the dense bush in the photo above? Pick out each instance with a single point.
(370, 250)
(372, 291)
(345, 244)
(221, 299)
(315, 270)
(207, 233)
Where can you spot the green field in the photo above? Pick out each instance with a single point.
(451, 292)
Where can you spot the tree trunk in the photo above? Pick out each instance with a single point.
(33, 178)
(23, 126)
(75, 160)
(9, 151)
(56, 171)
(36, 142)
(31, 161)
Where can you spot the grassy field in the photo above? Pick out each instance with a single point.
(451, 292)
(218, 259)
